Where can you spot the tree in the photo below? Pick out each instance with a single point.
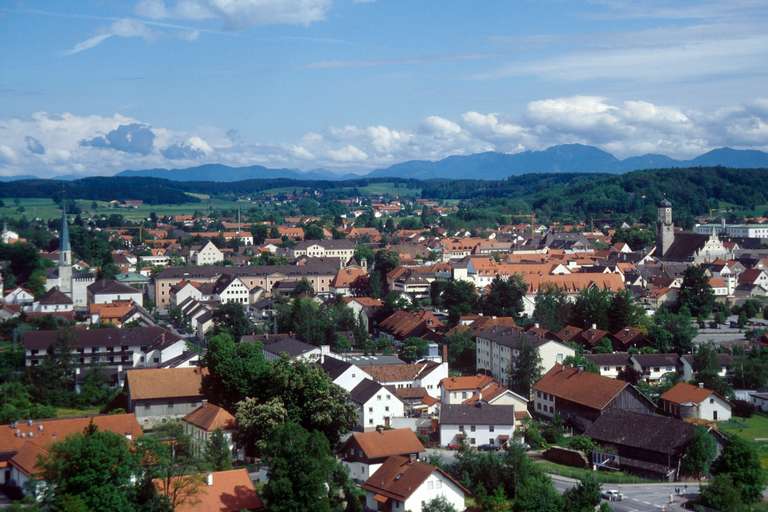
(525, 370)
(303, 288)
(458, 297)
(699, 454)
(414, 349)
(623, 312)
(52, 382)
(461, 351)
(695, 293)
(591, 307)
(672, 331)
(313, 232)
(740, 460)
(580, 360)
(235, 370)
(217, 452)
(16, 404)
(257, 422)
(231, 317)
(439, 504)
(553, 309)
(723, 494)
(505, 297)
(537, 494)
(95, 468)
(301, 467)
(384, 261)
(584, 497)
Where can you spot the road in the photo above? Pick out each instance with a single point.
(637, 497)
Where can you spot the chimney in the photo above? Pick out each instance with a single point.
(701, 385)
(379, 429)
(445, 353)
(40, 427)
(536, 325)
(594, 327)
(209, 479)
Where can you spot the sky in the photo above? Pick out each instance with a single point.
(92, 87)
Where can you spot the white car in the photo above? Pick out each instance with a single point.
(612, 495)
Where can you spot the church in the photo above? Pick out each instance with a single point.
(683, 246)
(73, 284)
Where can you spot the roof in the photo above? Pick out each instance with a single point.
(685, 245)
(363, 392)
(231, 491)
(400, 372)
(613, 359)
(646, 360)
(347, 276)
(289, 346)
(385, 443)
(577, 386)
(164, 383)
(334, 367)
(43, 433)
(684, 393)
(479, 413)
(54, 296)
(399, 477)
(27, 456)
(469, 382)
(661, 434)
(108, 337)
(110, 287)
(403, 324)
(210, 417)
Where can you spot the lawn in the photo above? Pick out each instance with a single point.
(380, 189)
(68, 412)
(754, 429)
(603, 477)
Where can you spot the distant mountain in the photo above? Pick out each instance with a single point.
(563, 158)
(225, 173)
(18, 177)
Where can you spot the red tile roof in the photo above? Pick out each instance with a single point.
(230, 491)
(682, 393)
(577, 386)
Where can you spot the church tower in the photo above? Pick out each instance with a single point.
(65, 258)
(665, 229)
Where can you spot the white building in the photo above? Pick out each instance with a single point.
(403, 484)
(685, 400)
(344, 374)
(498, 349)
(477, 424)
(107, 291)
(342, 248)
(734, 230)
(376, 405)
(422, 374)
(364, 452)
(209, 254)
(19, 296)
(201, 423)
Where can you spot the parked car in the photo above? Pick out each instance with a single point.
(612, 495)
(488, 447)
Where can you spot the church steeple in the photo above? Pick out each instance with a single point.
(65, 250)
(665, 228)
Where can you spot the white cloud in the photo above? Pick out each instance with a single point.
(238, 14)
(48, 144)
(121, 28)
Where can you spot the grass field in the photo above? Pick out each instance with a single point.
(753, 429)
(377, 189)
(603, 477)
(46, 209)
(67, 412)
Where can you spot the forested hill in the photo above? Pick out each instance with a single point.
(693, 191)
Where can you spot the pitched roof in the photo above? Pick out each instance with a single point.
(479, 413)
(403, 324)
(347, 276)
(110, 287)
(108, 337)
(385, 443)
(584, 388)
(646, 360)
(210, 417)
(290, 346)
(231, 491)
(54, 296)
(613, 359)
(400, 372)
(467, 382)
(399, 477)
(650, 432)
(363, 392)
(334, 367)
(157, 383)
(683, 393)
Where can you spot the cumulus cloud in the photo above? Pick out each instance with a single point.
(238, 14)
(50, 144)
(192, 149)
(131, 138)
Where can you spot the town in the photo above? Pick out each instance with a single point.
(359, 353)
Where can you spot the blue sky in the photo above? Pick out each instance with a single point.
(96, 86)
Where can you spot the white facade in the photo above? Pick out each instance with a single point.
(236, 291)
(544, 404)
(475, 435)
(379, 409)
(734, 230)
(714, 408)
(434, 486)
(497, 358)
(351, 377)
(19, 296)
(208, 255)
(108, 298)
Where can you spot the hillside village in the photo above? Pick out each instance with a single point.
(366, 353)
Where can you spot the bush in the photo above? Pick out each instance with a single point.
(580, 443)
(533, 436)
(743, 409)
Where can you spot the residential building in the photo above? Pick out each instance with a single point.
(653, 367)
(295, 349)
(422, 374)
(685, 400)
(364, 452)
(457, 390)
(402, 324)
(404, 484)
(157, 395)
(221, 491)
(343, 373)
(580, 397)
(53, 302)
(208, 254)
(376, 405)
(610, 365)
(343, 249)
(498, 349)
(201, 423)
(478, 424)
(105, 291)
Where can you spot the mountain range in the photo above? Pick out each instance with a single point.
(564, 158)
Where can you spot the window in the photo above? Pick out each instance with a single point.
(491, 428)
(472, 440)
(386, 408)
(461, 428)
(606, 368)
(378, 397)
(711, 400)
(370, 409)
(472, 428)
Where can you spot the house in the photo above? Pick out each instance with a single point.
(364, 452)
(590, 338)
(653, 367)
(343, 373)
(610, 365)
(52, 302)
(230, 289)
(457, 390)
(376, 405)
(478, 424)
(648, 445)
(346, 279)
(402, 324)
(422, 374)
(19, 295)
(628, 337)
(157, 395)
(499, 348)
(105, 291)
(342, 248)
(404, 484)
(22, 442)
(293, 348)
(201, 423)
(580, 397)
(208, 254)
(221, 491)
(119, 313)
(364, 308)
(417, 401)
(685, 400)
(723, 361)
